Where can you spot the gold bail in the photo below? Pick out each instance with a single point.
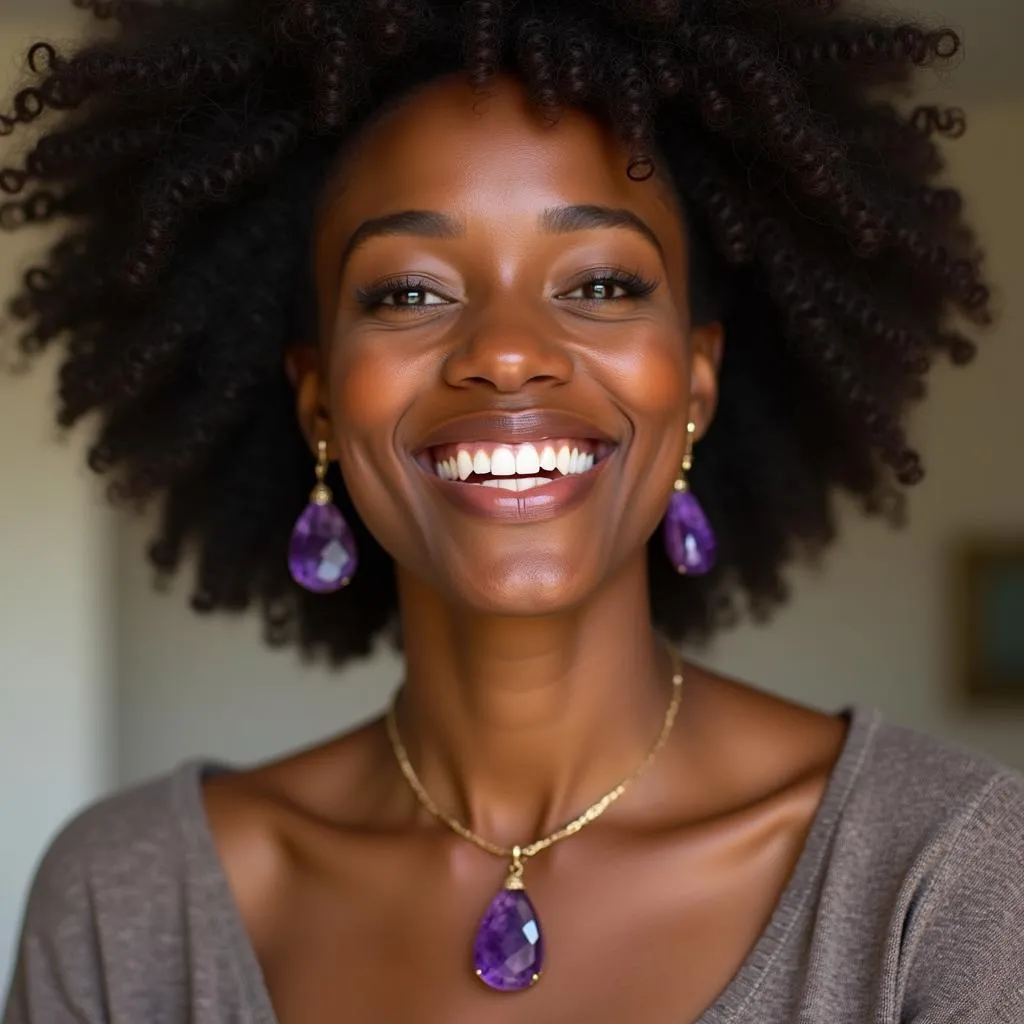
(515, 871)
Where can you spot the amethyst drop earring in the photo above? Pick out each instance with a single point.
(322, 553)
(689, 540)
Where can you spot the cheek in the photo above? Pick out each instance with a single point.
(371, 385)
(649, 373)
(648, 377)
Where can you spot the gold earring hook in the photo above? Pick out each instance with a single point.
(691, 430)
(321, 492)
(681, 482)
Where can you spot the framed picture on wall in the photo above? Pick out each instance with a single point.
(990, 607)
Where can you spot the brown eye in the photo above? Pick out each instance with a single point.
(603, 290)
(598, 291)
(610, 287)
(401, 293)
(411, 297)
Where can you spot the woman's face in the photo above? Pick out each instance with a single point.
(496, 295)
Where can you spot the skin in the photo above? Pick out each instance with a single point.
(534, 680)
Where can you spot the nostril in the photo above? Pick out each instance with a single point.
(507, 361)
(510, 381)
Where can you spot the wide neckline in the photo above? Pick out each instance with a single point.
(205, 874)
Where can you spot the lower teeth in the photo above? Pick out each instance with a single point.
(517, 483)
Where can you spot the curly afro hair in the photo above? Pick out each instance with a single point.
(186, 149)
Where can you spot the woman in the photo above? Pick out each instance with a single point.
(561, 253)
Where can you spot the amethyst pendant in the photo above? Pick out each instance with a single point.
(322, 553)
(689, 540)
(508, 954)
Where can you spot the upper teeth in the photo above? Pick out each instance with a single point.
(524, 460)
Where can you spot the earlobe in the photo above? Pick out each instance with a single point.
(706, 346)
(302, 366)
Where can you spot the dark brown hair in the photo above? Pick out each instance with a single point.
(185, 152)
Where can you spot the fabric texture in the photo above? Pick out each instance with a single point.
(906, 905)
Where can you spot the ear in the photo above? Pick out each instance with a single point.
(706, 345)
(302, 365)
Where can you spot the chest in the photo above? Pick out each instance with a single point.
(648, 932)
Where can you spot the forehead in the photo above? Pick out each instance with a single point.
(446, 147)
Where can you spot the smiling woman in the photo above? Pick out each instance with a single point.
(512, 287)
(543, 293)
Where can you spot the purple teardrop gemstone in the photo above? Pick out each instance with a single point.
(322, 552)
(509, 950)
(689, 540)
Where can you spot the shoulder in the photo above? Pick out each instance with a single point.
(913, 803)
(946, 823)
(131, 843)
(107, 905)
(919, 785)
(955, 802)
(918, 849)
(900, 807)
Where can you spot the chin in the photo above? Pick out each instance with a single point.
(526, 585)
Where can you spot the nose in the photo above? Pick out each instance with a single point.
(508, 350)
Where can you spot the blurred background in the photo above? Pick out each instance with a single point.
(103, 681)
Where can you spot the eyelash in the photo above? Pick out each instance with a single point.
(373, 297)
(632, 282)
(635, 285)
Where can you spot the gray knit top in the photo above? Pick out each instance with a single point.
(906, 905)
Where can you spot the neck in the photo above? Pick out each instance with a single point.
(515, 726)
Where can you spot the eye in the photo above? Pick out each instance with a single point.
(610, 286)
(599, 291)
(413, 297)
(401, 293)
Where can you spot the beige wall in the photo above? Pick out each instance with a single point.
(56, 608)
(869, 626)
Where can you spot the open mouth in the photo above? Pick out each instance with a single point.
(516, 467)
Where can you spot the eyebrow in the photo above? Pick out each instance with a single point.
(559, 220)
(562, 220)
(421, 223)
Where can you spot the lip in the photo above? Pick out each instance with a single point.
(536, 505)
(513, 428)
(530, 425)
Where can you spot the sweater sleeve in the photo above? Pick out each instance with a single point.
(966, 942)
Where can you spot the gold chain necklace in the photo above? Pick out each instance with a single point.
(508, 954)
